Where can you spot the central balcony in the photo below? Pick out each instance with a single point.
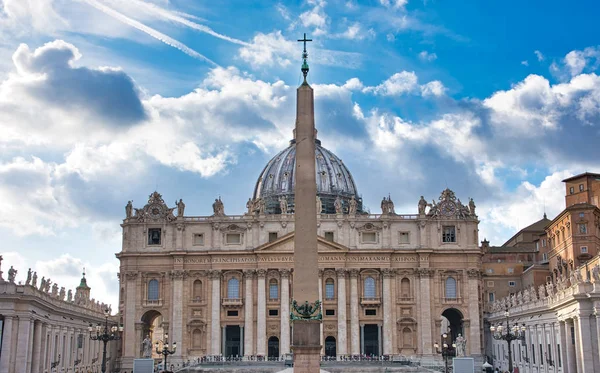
(232, 302)
(368, 301)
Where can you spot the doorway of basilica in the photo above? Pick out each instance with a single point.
(233, 340)
(152, 326)
(371, 339)
(273, 347)
(330, 348)
(454, 323)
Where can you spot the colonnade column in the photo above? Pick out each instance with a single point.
(285, 311)
(6, 344)
(354, 326)
(570, 347)
(215, 319)
(23, 336)
(425, 309)
(176, 323)
(387, 310)
(563, 344)
(342, 339)
(321, 337)
(37, 346)
(261, 314)
(584, 344)
(597, 314)
(248, 314)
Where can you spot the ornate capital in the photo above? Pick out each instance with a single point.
(473, 273)
(387, 272)
(131, 275)
(214, 274)
(180, 227)
(249, 274)
(261, 273)
(341, 272)
(321, 271)
(353, 273)
(284, 273)
(424, 272)
(178, 274)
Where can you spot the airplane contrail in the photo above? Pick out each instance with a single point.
(179, 19)
(150, 31)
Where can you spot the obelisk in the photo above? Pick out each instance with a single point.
(306, 309)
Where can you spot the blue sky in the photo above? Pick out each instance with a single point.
(103, 101)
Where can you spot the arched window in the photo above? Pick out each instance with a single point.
(197, 290)
(273, 289)
(405, 288)
(329, 289)
(153, 290)
(233, 288)
(369, 287)
(197, 338)
(451, 288)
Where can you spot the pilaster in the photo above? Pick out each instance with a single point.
(215, 314)
(261, 314)
(342, 333)
(387, 310)
(285, 311)
(248, 314)
(354, 326)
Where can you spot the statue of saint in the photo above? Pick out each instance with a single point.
(471, 206)
(422, 206)
(55, 290)
(339, 207)
(28, 281)
(69, 296)
(384, 206)
(283, 205)
(319, 205)
(390, 205)
(180, 207)
(352, 206)
(261, 206)
(48, 283)
(128, 209)
(218, 207)
(147, 347)
(61, 293)
(34, 279)
(250, 206)
(461, 344)
(43, 284)
(12, 273)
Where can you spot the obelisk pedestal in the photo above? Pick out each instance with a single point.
(306, 344)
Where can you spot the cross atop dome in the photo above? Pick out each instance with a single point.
(304, 58)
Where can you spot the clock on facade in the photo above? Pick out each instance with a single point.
(448, 208)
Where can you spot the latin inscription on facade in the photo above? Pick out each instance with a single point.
(290, 258)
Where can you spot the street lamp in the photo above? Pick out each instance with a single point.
(105, 335)
(165, 351)
(446, 350)
(514, 333)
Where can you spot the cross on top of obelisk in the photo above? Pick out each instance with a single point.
(304, 57)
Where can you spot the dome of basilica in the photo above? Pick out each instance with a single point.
(333, 179)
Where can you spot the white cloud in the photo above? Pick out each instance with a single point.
(406, 82)
(433, 88)
(428, 57)
(390, 37)
(283, 11)
(396, 4)
(316, 17)
(539, 55)
(356, 32)
(525, 63)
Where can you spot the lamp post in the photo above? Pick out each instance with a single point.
(105, 335)
(165, 351)
(514, 333)
(446, 350)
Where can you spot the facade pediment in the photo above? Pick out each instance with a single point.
(286, 244)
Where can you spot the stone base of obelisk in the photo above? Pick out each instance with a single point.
(306, 346)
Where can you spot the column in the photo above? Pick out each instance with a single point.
(342, 339)
(354, 326)
(570, 347)
(30, 346)
(425, 311)
(583, 344)
(321, 338)
(248, 315)
(362, 339)
(129, 345)
(223, 339)
(23, 344)
(261, 314)
(387, 310)
(563, 346)
(176, 323)
(215, 314)
(37, 347)
(6, 344)
(474, 317)
(285, 311)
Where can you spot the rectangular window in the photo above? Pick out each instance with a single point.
(329, 312)
(329, 236)
(558, 355)
(490, 284)
(404, 237)
(233, 238)
(582, 228)
(543, 242)
(489, 270)
(273, 312)
(537, 245)
(572, 335)
(582, 214)
(154, 236)
(581, 187)
(369, 237)
(449, 233)
(232, 313)
(549, 352)
(510, 270)
(512, 284)
(491, 297)
(370, 312)
(571, 190)
(584, 250)
(198, 239)
(272, 236)
(544, 257)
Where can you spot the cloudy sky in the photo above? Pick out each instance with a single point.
(104, 101)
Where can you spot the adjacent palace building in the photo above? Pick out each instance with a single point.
(390, 283)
